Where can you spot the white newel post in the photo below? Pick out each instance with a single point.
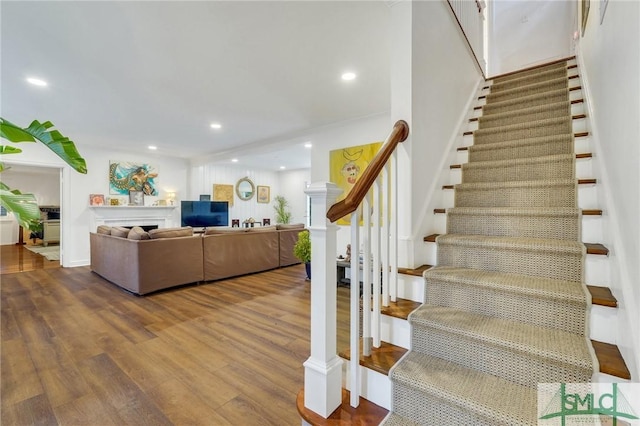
(323, 369)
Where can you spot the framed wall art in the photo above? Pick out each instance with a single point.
(264, 194)
(136, 198)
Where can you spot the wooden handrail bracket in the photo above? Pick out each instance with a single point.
(347, 206)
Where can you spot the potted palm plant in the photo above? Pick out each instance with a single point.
(24, 206)
(302, 250)
(282, 215)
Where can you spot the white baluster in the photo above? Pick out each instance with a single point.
(354, 365)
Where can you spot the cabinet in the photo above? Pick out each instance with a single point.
(50, 231)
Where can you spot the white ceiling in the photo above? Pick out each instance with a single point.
(126, 75)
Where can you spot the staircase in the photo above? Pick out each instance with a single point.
(506, 307)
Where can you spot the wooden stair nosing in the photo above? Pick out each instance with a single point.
(573, 117)
(401, 308)
(610, 360)
(592, 248)
(585, 212)
(417, 272)
(383, 358)
(575, 135)
(580, 182)
(571, 89)
(578, 156)
(602, 296)
(367, 413)
(567, 59)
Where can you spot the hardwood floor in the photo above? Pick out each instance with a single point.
(79, 350)
(16, 258)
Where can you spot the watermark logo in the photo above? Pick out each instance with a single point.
(588, 403)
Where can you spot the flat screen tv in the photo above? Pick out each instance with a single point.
(204, 213)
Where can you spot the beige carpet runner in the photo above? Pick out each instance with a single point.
(506, 306)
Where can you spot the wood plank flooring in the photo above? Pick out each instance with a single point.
(79, 350)
(16, 258)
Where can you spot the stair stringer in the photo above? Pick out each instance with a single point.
(618, 273)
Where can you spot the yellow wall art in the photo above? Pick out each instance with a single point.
(347, 165)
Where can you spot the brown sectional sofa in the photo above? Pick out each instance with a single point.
(145, 262)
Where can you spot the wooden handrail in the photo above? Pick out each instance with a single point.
(342, 208)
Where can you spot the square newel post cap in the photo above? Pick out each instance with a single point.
(319, 188)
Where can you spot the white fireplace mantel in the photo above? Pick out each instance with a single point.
(162, 216)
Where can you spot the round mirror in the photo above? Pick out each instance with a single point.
(245, 189)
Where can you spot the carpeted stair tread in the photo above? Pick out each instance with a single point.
(559, 166)
(524, 353)
(536, 99)
(470, 396)
(540, 128)
(526, 114)
(532, 222)
(548, 258)
(542, 302)
(529, 89)
(530, 244)
(536, 193)
(395, 419)
(523, 80)
(522, 148)
(558, 95)
(532, 71)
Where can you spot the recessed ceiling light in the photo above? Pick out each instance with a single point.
(152, 147)
(347, 76)
(36, 81)
(308, 145)
(234, 160)
(216, 125)
(282, 167)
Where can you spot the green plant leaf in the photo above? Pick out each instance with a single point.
(24, 207)
(62, 146)
(302, 248)
(8, 149)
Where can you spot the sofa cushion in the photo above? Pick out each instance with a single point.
(120, 231)
(263, 229)
(138, 233)
(104, 229)
(214, 230)
(290, 226)
(171, 232)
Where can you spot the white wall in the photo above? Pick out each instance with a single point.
(433, 83)
(292, 184)
(609, 59)
(524, 33)
(76, 187)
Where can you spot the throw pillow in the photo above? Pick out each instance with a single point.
(138, 233)
(171, 232)
(120, 231)
(104, 229)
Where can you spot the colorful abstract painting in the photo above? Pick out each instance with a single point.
(347, 165)
(129, 176)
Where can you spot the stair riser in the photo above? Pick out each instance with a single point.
(429, 410)
(515, 226)
(596, 267)
(517, 196)
(503, 260)
(576, 109)
(524, 74)
(518, 132)
(374, 386)
(556, 169)
(501, 85)
(518, 367)
(527, 91)
(496, 120)
(548, 313)
(580, 145)
(583, 170)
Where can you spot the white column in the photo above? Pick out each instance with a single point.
(323, 369)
